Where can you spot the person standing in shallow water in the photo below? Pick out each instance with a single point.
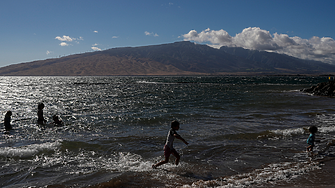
(57, 122)
(7, 120)
(40, 118)
(168, 148)
(311, 138)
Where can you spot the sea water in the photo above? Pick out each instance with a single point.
(242, 131)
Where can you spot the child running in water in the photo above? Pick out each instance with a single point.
(311, 138)
(168, 148)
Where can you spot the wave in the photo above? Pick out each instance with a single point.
(289, 132)
(147, 82)
(28, 150)
(271, 174)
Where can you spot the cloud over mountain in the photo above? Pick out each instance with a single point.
(179, 58)
(151, 34)
(95, 48)
(63, 44)
(254, 38)
(66, 39)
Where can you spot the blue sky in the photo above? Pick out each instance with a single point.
(41, 29)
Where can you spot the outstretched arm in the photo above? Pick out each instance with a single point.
(180, 138)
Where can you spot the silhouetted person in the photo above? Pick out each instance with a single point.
(7, 120)
(168, 148)
(40, 117)
(57, 122)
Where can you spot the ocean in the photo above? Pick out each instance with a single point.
(242, 131)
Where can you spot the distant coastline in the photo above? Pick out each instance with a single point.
(175, 59)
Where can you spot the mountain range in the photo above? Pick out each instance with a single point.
(179, 58)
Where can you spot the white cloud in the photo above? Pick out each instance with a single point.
(316, 48)
(95, 48)
(65, 38)
(95, 31)
(256, 39)
(49, 52)
(95, 44)
(63, 44)
(68, 39)
(215, 37)
(151, 34)
(115, 37)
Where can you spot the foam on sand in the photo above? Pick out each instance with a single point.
(271, 174)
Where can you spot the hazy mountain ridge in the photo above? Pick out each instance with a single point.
(184, 56)
(179, 58)
(278, 61)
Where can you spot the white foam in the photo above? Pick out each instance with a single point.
(288, 132)
(129, 162)
(146, 82)
(85, 163)
(301, 131)
(326, 129)
(28, 150)
(271, 174)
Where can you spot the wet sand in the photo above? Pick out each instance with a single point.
(324, 177)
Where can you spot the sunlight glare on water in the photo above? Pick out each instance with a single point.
(115, 129)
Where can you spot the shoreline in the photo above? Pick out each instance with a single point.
(324, 177)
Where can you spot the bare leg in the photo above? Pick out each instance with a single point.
(177, 157)
(177, 160)
(309, 148)
(161, 163)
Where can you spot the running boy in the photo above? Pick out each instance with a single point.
(168, 148)
(311, 138)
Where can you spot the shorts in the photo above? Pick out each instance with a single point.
(168, 152)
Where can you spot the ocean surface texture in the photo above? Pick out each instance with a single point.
(242, 131)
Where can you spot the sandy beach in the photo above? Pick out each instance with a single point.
(324, 178)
